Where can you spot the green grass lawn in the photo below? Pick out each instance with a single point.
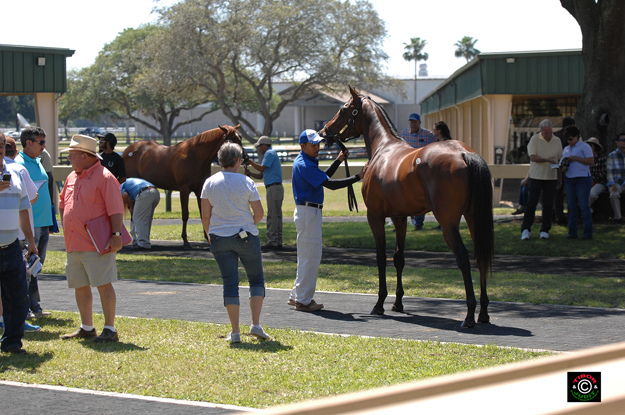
(193, 361)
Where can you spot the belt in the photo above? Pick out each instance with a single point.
(9, 245)
(311, 204)
(146, 188)
(272, 184)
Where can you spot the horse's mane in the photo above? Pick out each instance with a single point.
(202, 138)
(386, 119)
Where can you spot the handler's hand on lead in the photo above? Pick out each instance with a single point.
(343, 155)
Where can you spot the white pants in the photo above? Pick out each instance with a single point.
(308, 225)
(595, 191)
(615, 201)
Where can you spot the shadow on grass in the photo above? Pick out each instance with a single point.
(27, 362)
(115, 347)
(264, 346)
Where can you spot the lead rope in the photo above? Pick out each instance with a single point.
(351, 196)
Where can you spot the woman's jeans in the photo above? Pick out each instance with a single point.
(227, 251)
(578, 194)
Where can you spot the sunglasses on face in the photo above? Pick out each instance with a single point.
(40, 142)
(621, 139)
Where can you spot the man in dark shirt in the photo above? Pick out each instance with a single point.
(110, 159)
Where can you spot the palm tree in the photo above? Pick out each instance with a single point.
(466, 48)
(415, 53)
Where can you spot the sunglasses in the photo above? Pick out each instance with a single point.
(40, 142)
(621, 139)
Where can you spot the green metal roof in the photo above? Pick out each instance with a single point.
(516, 73)
(21, 72)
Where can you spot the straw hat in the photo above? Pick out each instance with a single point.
(593, 140)
(85, 144)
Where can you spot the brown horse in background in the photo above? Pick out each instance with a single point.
(447, 178)
(183, 167)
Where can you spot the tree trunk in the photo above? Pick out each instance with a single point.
(601, 108)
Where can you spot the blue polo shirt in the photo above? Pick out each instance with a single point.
(133, 186)
(577, 169)
(273, 172)
(307, 179)
(42, 209)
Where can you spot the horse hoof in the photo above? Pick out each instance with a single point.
(466, 325)
(376, 312)
(484, 320)
(399, 309)
(187, 246)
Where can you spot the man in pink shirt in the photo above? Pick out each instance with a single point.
(91, 191)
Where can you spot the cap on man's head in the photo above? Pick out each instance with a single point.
(310, 136)
(414, 116)
(263, 140)
(85, 144)
(110, 137)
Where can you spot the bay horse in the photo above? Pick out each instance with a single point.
(447, 178)
(183, 167)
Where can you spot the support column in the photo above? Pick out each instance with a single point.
(47, 117)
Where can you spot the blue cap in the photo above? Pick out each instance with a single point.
(415, 116)
(310, 136)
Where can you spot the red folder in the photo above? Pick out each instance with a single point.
(100, 232)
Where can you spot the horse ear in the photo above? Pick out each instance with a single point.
(353, 92)
(222, 128)
(238, 126)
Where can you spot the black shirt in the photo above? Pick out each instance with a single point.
(115, 163)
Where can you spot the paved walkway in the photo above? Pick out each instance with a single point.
(559, 328)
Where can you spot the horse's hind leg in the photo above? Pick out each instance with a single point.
(451, 233)
(184, 204)
(399, 260)
(199, 205)
(377, 227)
(483, 317)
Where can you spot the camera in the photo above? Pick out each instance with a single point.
(33, 264)
(6, 177)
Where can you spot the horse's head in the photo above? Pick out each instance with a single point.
(342, 127)
(232, 135)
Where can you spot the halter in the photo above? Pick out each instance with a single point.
(350, 122)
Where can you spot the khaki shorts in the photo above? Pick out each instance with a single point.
(89, 268)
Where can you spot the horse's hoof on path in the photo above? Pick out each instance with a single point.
(376, 312)
(466, 325)
(399, 309)
(187, 246)
(484, 320)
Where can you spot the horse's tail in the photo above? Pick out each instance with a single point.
(481, 188)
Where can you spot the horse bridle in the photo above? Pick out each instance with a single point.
(246, 157)
(350, 122)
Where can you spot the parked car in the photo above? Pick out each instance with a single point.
(92, 131)
(13, 134)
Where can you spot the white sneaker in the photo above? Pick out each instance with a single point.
(525, 235)
(544, 235)
(259, 333)
(234, 337)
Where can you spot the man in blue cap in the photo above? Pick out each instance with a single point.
(308, 184)
(417, 137)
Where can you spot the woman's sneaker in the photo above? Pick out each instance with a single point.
(29, 328)
(234, 337)
(259, 333)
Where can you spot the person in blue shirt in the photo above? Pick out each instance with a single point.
(578, 181)
(270, 170)
(33, 141)
(308, 183)
(141, 197)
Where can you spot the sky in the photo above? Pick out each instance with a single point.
(499, 25)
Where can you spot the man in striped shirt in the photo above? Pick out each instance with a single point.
(417, 137)
(616, 175)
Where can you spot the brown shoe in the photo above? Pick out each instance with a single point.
(80, 334)
(313, 306)
(291, 302)
(107, 336)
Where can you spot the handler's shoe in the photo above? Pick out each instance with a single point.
(525, 235)
(107, 336)
(234, 337)
(544, 235)
(312, 306)
(259, 333)
(291, 302)
(80, 334)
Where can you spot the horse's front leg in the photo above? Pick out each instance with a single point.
(399, 261)
(377, 227)
(184, 203)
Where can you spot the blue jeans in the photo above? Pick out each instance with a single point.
(14, 297)
(227, 251)
(418, 220)
(524, 194)
(42, 235)
(578, 194)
